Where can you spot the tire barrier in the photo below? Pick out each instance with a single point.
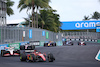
(91, 40)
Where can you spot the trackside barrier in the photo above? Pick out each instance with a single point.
(23, 43)
(98, 40)
(88, 40)
(42, 43)
(2, 47)
(59, 43)
(35, 43)
(16, 45)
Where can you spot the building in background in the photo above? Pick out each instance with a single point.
(3, 11)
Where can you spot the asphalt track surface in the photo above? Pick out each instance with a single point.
(66, 56)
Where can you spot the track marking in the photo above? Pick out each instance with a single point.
(98, 56)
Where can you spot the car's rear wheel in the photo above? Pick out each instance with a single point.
(3, 52)
(45, 44)
(22, 47)
(50, 57)
(33, 47)
(23, 57)
(54, 44)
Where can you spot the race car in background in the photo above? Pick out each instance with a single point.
(69, 43)
(27, 47)
(81, 43)
(10, 51)
(35, 56)
(49, 44)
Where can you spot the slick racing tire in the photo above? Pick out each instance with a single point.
(23, 57)
(54, 44)
(3, 52)
(33, 47)
(22, 47)
(50, 57)
(45, 44)
(72, 44)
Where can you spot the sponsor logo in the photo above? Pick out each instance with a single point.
(86, 24)
(35, 43)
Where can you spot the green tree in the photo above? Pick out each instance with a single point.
(96, 15)
(9, 9)
(50, 20)
(32, 4)
(86, 18)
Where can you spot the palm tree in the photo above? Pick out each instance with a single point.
(96, 15)
(9, 9)
(32, 4)
(86, 18)
(49, 20)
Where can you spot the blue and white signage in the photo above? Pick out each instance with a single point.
(23, 43)
(43, 33)
(77, 25)
(3, 46)
(97, 28)
(30, 33)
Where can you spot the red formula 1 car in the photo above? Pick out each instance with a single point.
(81, 43)
(33, 56)
(10, 51)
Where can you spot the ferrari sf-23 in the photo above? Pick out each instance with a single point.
(10, 51)
(35, 56)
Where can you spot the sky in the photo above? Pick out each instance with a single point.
(69, 10)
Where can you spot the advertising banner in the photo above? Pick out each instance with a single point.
(3, 46)
(16, 45)
(78, 25)
(42, 43)
(0, 34)
(23, 33)
(30, 33)
(47, 35)
(43, 33)
(23, 43)
(97, 28)
(36, 43)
